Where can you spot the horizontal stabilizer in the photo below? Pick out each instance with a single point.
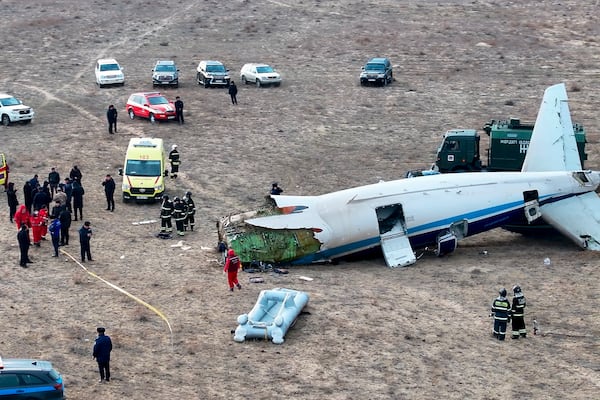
(578, 218)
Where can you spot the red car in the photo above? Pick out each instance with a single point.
(151, 105)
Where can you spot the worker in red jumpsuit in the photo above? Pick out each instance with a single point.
(22, 217)
(232, 265)
(36, 227)
(43, 212)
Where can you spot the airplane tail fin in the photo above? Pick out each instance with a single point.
(553, 146)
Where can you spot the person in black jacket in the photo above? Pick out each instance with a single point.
(109, 191)
(75, 174)
(85, 235)
(179, 109)
(65, 224)
(101, 352)
(13, 202)
(24, 243)
(53, 180)
(111, 116)
(40, 199)
(77, 194)
(28, 195)
(233, 92)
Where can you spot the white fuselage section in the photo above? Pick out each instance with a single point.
(346, 221)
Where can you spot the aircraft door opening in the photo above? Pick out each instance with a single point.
(395, 245)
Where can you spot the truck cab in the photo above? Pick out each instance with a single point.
(459, 151)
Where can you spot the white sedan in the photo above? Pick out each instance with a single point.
(260, 75)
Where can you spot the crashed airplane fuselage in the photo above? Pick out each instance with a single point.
(432, 211)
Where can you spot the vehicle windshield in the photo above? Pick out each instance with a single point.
(375, 67)
(165, 68)
(264, 69)
(10, 101)
(109, 67)
(215, 68)
(143, 168)
(157, 100)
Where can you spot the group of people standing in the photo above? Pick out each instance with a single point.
(182, 210)
(503, 312)
(48, 207)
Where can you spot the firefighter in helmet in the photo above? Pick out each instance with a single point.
(166, 212)
(501, 313)
(518, 313)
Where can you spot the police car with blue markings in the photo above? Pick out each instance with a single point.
(30, 380)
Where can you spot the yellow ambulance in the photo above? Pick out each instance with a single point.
(144, 170)
(3, 171)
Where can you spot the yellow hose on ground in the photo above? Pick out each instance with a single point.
(112, 285)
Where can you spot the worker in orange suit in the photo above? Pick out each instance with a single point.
(232, 265)
(37, 222)
(22, 217)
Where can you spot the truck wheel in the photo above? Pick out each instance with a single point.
(5, 120)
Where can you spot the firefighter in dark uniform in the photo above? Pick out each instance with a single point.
(501, 312)
(166, 212)
(191, 211)
(518, 313)
(174, 160)
(179, 214)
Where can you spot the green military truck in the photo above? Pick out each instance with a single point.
(508, 144)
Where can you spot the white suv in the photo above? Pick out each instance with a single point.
(260, 75)
(13, 110)
(212, 73)
(109, 72)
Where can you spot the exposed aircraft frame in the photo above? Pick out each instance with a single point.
(431, 211)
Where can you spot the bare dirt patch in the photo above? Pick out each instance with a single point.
(372, 332)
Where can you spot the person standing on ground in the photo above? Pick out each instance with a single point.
(53, 181)
(13, 202)
(54, 229)
(518, 313)
(75, 174)
(232, 265)
(233, 92)
(179, 110)
(77, 194)
(166, 212)
(191, 211)
(65, 224)
(501, 312)
(111, 116)
(174, 160)
(24, 243)
(101, 352)
(68, 188)
(36, 222)
(22, 217)
(179, 214)
(28, 195)
(85, 235)
(109, 191)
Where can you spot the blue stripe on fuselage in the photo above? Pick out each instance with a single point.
(493, 217)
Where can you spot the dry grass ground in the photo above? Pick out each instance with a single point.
(372, 333)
